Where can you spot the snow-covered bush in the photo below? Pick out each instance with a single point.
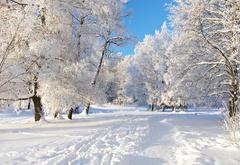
(232, 125)
(123, 100)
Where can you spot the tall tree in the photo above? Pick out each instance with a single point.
(213, 28)
(150, 56)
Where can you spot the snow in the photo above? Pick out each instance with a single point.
(117, 136)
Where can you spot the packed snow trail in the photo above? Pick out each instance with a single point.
(118, 138)
(193, 138)
(99, 141)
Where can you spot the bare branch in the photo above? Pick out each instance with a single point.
(19, 3)
(228, 63)
(17, 99)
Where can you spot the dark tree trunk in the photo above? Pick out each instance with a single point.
(233, 107)
(164, 107)
(100, 63)
(70, 113)
(182, 107)
(56, 115)
(29, 104)
(152, 106)
(87, 108)
(81, 21)
(234, 91)
(43, 17)
(38, 107)
(37, 101)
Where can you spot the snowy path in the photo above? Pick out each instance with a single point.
(99, 141)
(188, 139)
(118, 138)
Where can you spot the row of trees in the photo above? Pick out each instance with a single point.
(198, 63)
(53, 52)
(209, 55)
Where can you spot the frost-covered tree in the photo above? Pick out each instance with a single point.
(110, 32)
(150, 58)
(22, 25)
(135, 84)
(212, 31)
(121, 79)
(91, 23)
(37, 41)
(13, 36)
(96, 25)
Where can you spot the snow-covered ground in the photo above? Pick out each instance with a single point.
(117, 135)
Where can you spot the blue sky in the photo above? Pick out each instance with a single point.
(147, 16)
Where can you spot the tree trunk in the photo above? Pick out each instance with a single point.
(38, 107)
(43, 17)
(100, 63)
(182, 107)
(152, 106)
(234, 91)
(29, 104)
(20, 105)
(79, 44)
(233, 109)
(87, 108)
(174, 107)
(70, 113)
(56, 114)
(37, 101)
(163, 106)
